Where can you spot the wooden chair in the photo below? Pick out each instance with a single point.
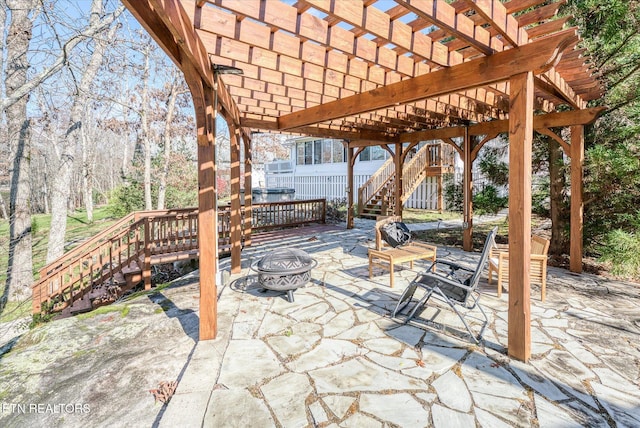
(385, 256)
(499, 263)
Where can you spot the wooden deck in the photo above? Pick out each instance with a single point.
(307, 230)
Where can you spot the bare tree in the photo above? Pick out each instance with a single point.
(19, 270)
(176, 87)
(75, 139)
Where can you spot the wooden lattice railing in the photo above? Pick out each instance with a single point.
(431, 159)
(428, 158)
(378, 181)
(143, 238)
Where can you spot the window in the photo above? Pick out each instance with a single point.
(327, 149)
(308, 153)
(365, 155)
(339, 152)
(373, 153)
(317, 152)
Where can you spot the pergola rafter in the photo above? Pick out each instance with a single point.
(413, 71)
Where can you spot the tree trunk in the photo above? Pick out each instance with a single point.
(557, 204)
(71, 145)
(88, 163)
(166, 141)
(20, 264)
(3, 208)
(145, 137)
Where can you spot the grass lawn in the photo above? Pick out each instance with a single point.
(78, 230)
(413, 215)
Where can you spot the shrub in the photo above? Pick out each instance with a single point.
(622, 250)
(453, 193)
(126, 198)
(488, 201)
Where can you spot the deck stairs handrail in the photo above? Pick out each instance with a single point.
(378, 181)
(109, 252)
(417, 169)
(128, 249)
(380, 185)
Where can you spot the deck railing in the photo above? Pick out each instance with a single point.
(375, 184)
(142, 238)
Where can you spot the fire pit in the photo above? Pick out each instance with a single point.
(284, 269)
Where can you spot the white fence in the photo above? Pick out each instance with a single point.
(332, 187)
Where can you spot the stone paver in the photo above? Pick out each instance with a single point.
(334, 357)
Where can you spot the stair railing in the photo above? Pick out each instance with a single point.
(415, 170)
(134, 238)
(375, 183)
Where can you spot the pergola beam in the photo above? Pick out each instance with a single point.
(536, 56)
(550, 120)
(495, 14)
(314, 131)
(444, 16)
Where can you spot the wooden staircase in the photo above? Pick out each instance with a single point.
(115, 261)
(120, 258)
(377, 196)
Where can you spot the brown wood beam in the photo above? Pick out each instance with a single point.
(248, 188)
(458, 25)
(350, 187)
(319, 131)
(397, 163)
(520, 149)
(577, 203)
(467, 193)
(225, 102)
(537, 56)
(371, 20)
(550, 120)
(235, 215)
(495, 14)
(549, 133)
(554, 84)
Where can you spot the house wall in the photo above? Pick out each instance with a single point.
(329, 180)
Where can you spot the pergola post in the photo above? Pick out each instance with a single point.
(397, 163)
(248, 189)
(350, 161)
(520, 147)
(440, 193)
(467, 194)
(577, 204)
(235, 215)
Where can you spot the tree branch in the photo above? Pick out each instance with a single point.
(61, 60)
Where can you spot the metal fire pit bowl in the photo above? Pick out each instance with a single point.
(284, 269)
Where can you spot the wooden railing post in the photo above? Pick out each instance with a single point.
(146, 269)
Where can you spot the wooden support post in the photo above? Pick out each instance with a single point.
(577, 204)
(440, 193)
(350, 162)
(207, 241)
(467, 194)
(235, 219)
(148, 240)
(520, 147)
(397, 163)
(248, 188)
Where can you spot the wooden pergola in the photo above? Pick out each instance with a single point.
(382, 72)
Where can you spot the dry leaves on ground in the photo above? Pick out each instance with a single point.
(165, 391)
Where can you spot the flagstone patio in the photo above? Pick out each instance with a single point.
(334, 357)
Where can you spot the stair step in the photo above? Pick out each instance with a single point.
(80, 306)
(133, 268)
